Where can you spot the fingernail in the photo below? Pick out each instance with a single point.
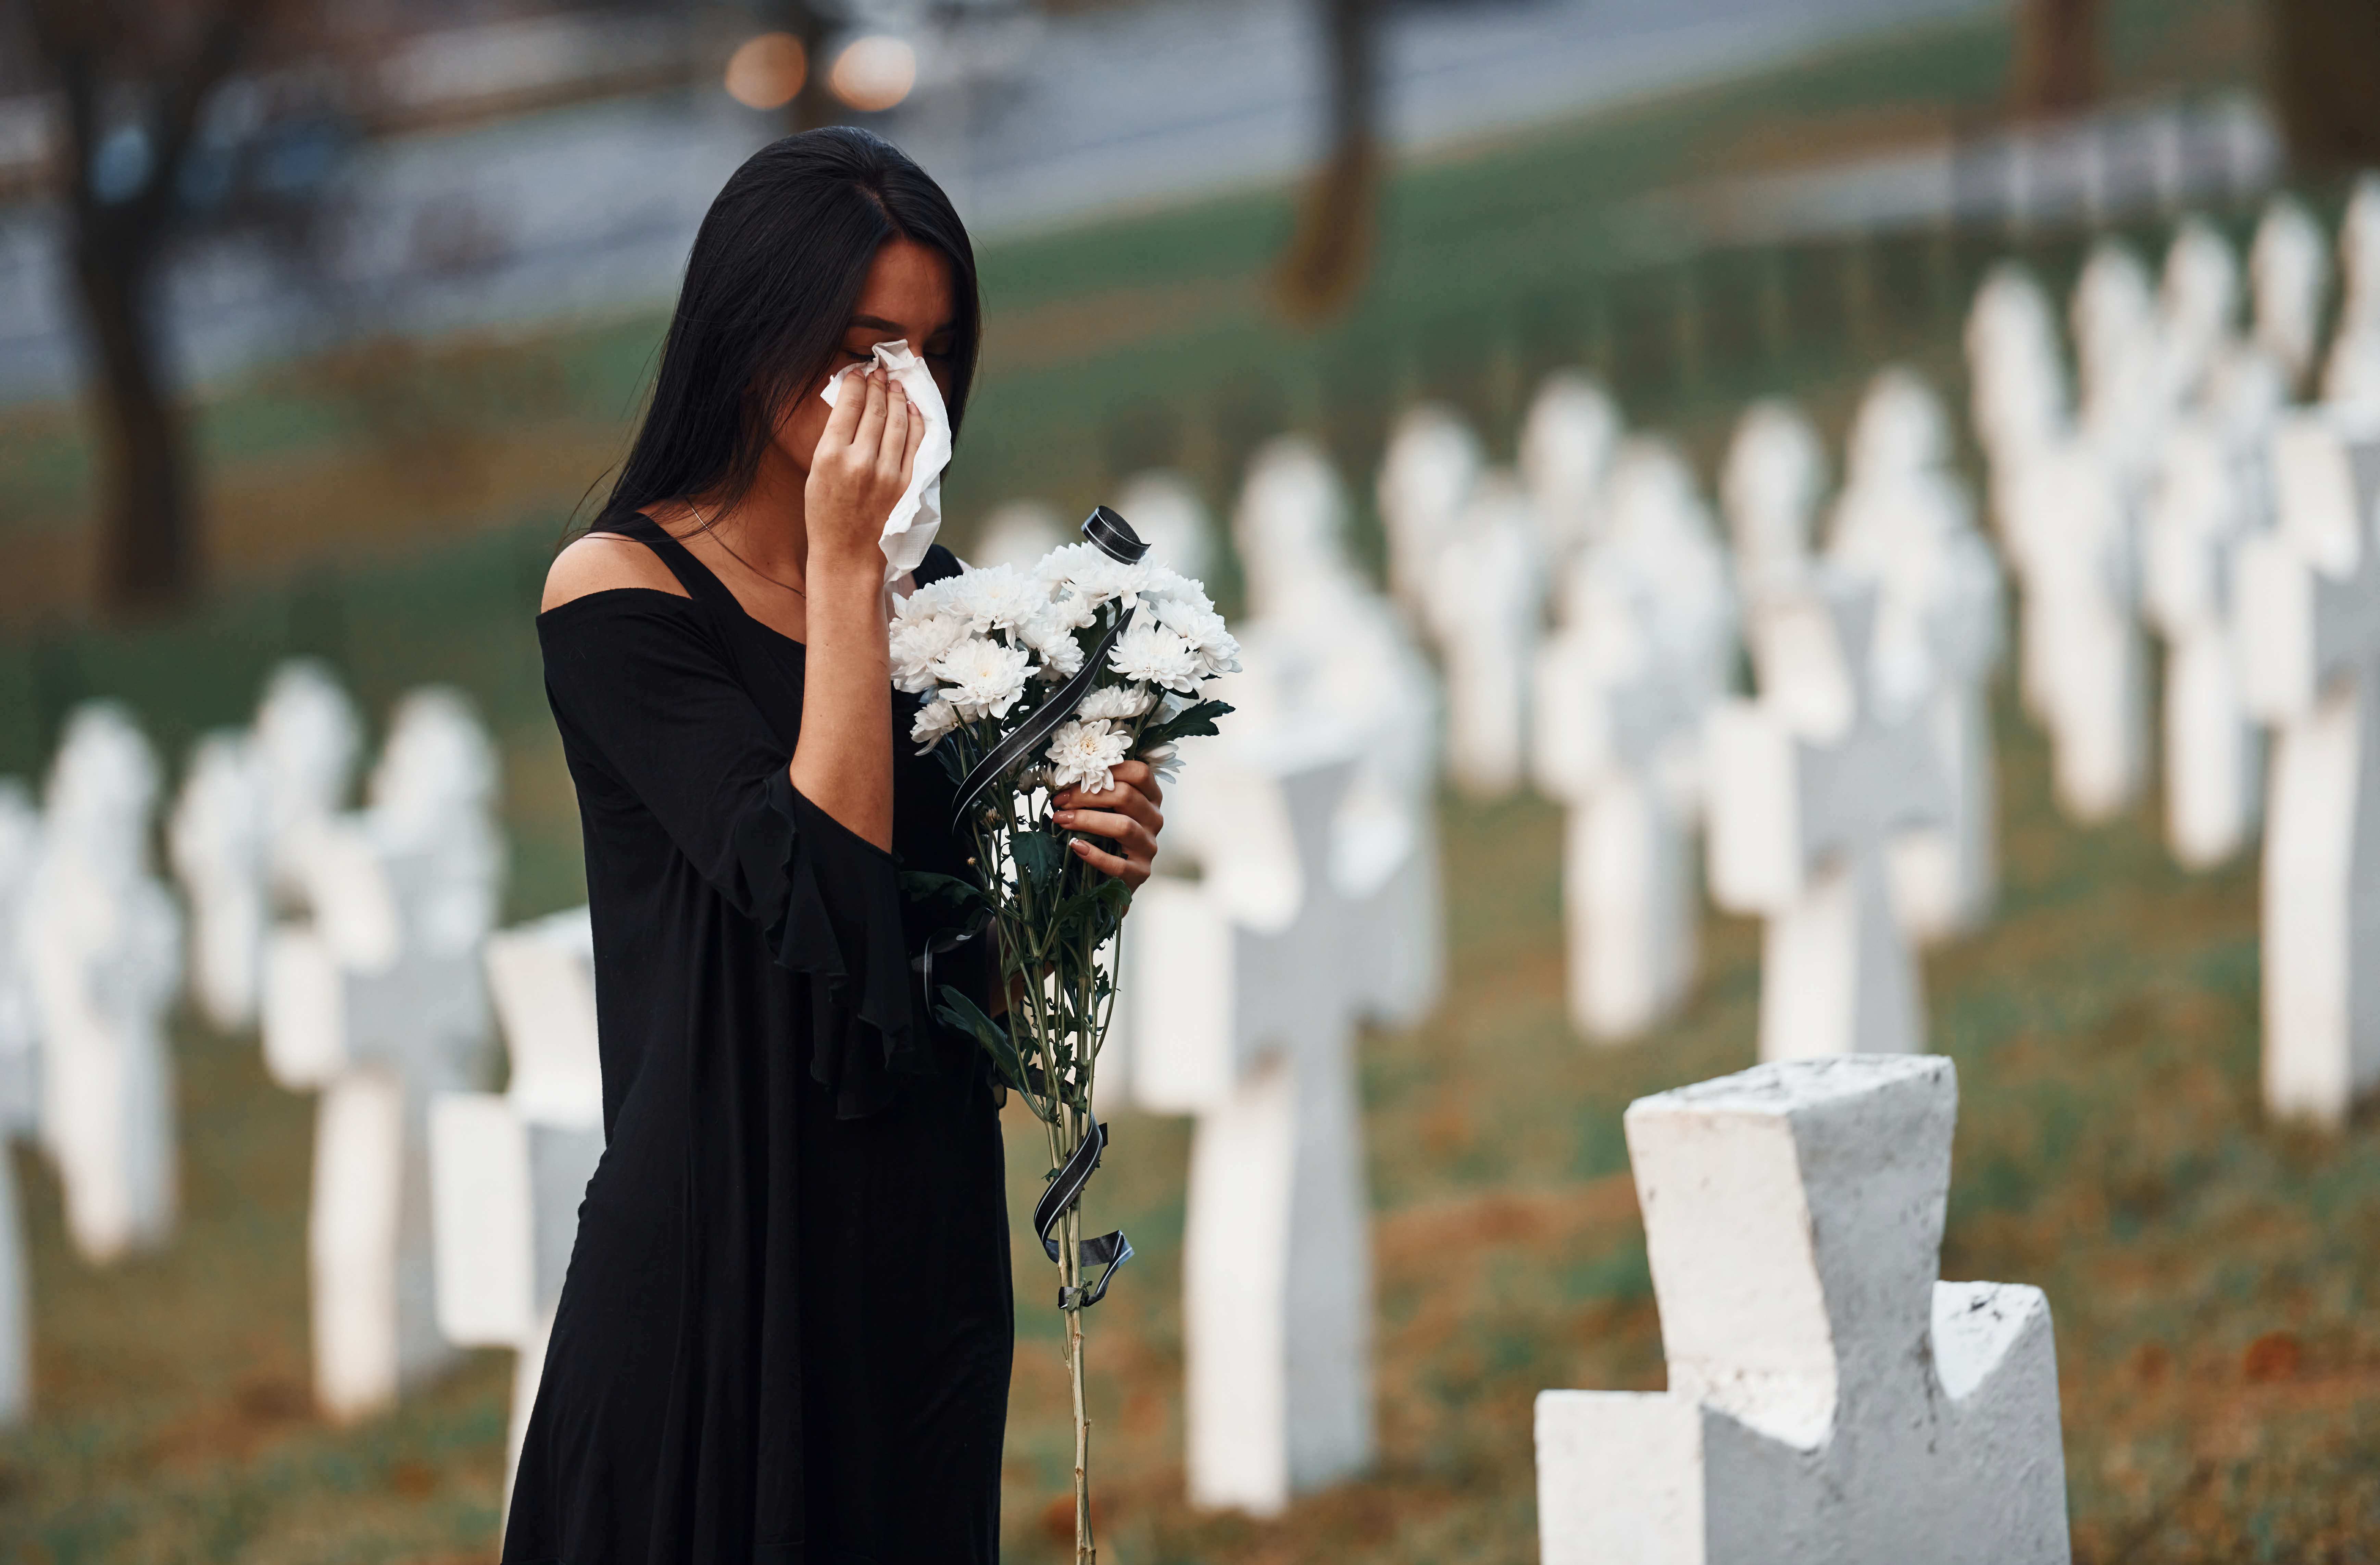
(1065, 817)
(1083, 848)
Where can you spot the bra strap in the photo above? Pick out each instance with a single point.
(697, 578)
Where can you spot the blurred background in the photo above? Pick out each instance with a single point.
(319, 319)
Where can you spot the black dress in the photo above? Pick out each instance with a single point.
(787, 1327)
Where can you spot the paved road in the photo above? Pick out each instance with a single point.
(588, 210)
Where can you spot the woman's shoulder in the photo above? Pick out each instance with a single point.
(605, 562)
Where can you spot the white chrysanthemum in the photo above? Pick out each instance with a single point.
(935, 721)
(1051, 633)
(1164, 760)
(917, 640)
(1152, 655)
(995, 597)
(1092, 575)
(984, 676)
(1176, 588)
(1218, 651)
(1085, 754)
(1116, 701)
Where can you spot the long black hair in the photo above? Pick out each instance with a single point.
(776, 268)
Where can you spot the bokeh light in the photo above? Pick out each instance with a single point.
(766, 72)
(874, 72)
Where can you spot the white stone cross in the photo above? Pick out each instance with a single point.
(1830, 1400)
(2118, 353)
(2309, 606)
(20, 840)
(2209, 495)
(379, 1003)
(508, 1170)
(1566, 445)
(1244, 1015)
(103, 960)
(1171, 518)
(219, 839)
(1904, 524)
(1486, 607)
(1803, 818)
(1323, 646)
(2289, 272)
(2351, 375)
(308, 739)
(1645, 649)
(1425, 479)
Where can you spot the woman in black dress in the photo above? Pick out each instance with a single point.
(786, 1330)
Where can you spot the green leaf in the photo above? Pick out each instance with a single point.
(963, 1013)
(1190, 723)
(924, 885)
(1040, 856)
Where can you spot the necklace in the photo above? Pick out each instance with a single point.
(742, 561)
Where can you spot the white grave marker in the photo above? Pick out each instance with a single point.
(1905, 526)
(103, 956)
(2289, 274)
(1486, 607)
(1243, 995)
(1433, 459)
(1830, 1400)
(380, 1004)
(2310, 645)
(1566, 445)
(219, 839)
(1171, 518)
(1622, 690)
(309, 739)
(20, 840)
(508, 1170)
(1803, 818)
(2351, 377)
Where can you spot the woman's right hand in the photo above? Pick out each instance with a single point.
(859, 470)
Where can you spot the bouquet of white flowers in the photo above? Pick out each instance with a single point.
(1038, 681)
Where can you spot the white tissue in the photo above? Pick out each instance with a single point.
(917, 515)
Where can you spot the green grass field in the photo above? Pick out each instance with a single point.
(393, 511)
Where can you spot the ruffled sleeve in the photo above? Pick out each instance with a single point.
(643, 688)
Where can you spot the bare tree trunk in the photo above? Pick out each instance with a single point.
(2058, 58)
(2326, 61)
(1328, 258)
(115, 242)
(148, 552)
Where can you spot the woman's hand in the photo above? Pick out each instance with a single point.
(859, 470)
(1126, 814)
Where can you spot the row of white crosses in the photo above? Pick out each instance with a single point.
(1315, 908)
(2244, 519)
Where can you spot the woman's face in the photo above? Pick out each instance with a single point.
(906, 297)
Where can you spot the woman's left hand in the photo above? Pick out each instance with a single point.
(1126, 814)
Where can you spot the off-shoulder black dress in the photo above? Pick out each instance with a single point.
(786, 1330)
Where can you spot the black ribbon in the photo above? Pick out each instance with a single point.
(1108, 1250)
(1116, 540)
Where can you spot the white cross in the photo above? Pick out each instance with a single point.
(1830, 1402)
(1904, 525)
(1486, 604)
(379, 1003)
(218, 840)
(1244, 1014)
(2310, 642)
(508, 1170)
(21, 830)
(1803, 818)
(1622, 692)
(102, 960)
